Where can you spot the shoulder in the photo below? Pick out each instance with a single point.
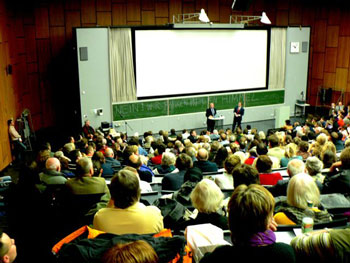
(220, 254)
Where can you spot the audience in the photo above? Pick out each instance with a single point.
(8, 249)
(245, 174)
(52, 173)
(203, 163)
(167, 165)
(251, 225)
(267, 177)
(133, 216)
(225, 180)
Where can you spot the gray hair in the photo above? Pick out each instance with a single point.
(313, 165)
(84, 166)
(168, 158)
(295, 167)
(109, 152)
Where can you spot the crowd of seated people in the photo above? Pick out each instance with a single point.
(121, 169)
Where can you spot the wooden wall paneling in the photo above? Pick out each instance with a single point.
(330, 61)
(104, 18)
(29, 17)
(56, 13)
(162, 21)
(134, 23)
(42, 22)
(20, 73)
(2, 27)
(72, 5)
(188, 7)
(175, 8)
(32, 67)
(20, 46)
(72, 20)
(317, 65)
(321, 11)
(33, 87)
(202, 4)
(308, 16)
(283, 5)
(88, 11)
(332, 36)
(57, 39)
(103, 5)
(44, 54)
(258, 6)
(334, 15)
(162, 9)
(147, 5)
(37, 121)
(282, 17)
(118, 14)
(47, 114)
(329, 80)
(225, 12)
(341, 79)
(214, 10)
(148, 17)
(29, 34)
(18, 27)
(296, 14)
(133, 10)
(344, 29)
(343, 52)
(320, 35)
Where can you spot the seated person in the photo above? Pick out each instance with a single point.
(301, 190)
(207, 198)
(167, 165)
(289, 154)
(203, 163)
(100, 163)
(173, 181)
(84, 183)
(52, 173)
(132, 216)
(251, 225)
(220, 157)
(133, 252)
(136, 162)
(267, 177)
(303, 150)
(109, 154)
(261, 149)
(225, 180)
(274, 147)
(160, 149)
(8, 249)
(245, 174)
(314, 168)
(88, 130)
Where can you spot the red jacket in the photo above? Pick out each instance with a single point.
(270, 178)
(157, 159)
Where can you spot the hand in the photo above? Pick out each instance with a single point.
(272, 225)
(335, 165)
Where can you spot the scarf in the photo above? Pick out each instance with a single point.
(263, 239)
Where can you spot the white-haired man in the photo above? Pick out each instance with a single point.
(52, 172)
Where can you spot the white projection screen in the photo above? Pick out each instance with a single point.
(182, 62)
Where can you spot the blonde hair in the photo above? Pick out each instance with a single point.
(241, 156)
(207, 197)
(289, 151)
(168, 158)
(302, 188)
(322, 139)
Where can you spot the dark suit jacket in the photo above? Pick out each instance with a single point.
(339, 183)
(173, 181)
(208, 112)
(240, 112)
(206, 166)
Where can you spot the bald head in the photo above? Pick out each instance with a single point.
(295, 167)
(53, 164)
(135, 161)
(109, 153)
(202, 155)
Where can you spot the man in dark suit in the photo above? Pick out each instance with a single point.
(203, 163)
(238, 113)
(210, 113)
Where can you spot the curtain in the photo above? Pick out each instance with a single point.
(277, 58)
(121, 65)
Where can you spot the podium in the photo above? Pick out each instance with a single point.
(219, 122)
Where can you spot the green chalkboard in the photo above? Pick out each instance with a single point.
(227, 101)
(188, 105)
(136, 110)
(264, 98)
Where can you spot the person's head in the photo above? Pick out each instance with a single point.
(313, 165)
(84, 167)
(135, 161)
(245, 174)
(8, 249)
(207, 197)
(183, 161)
(250, 210)
(125, 189)
(168, 159)
(340, 103)
(109, 152)
(301, 189)
(221, 156)
(87, 123)
(90, 151)
(321, 139)
(231, 162)
(288, 123)
(53, 164)
(345, 158)
(202, 155)
(328, 158)
(261, 149)
(289, 151)
(132, 252)
(264, 164)
(273, 141)
(10, 122)
(303, 146)
(295, 167)
(239, 104)
(193, 133)
(212, 105)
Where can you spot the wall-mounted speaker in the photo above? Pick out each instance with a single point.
(83, 53)
(241, 5)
